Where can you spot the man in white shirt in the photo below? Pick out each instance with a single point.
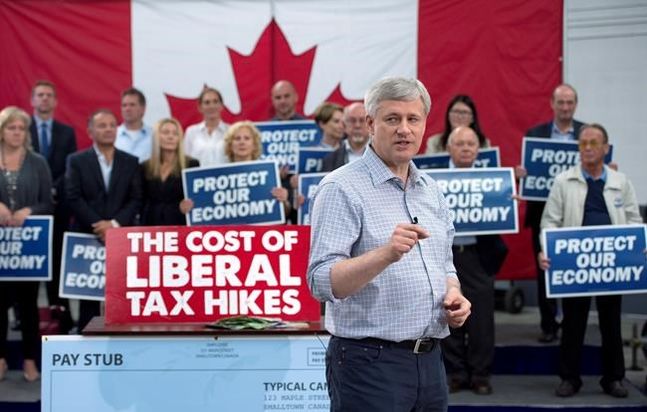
(133, 136)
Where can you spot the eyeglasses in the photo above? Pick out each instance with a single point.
(593, 144)
(461, 113)
(358, 120)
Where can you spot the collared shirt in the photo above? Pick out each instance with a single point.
(458, 239)
(207, 148)
(560, 136)
(138, 143)
(352, 155)
(602, 177)
(106, 168)
(355, 210)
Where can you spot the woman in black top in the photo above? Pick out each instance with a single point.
(25, 189)
(164, 202)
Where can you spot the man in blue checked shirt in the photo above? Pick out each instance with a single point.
(381, 259)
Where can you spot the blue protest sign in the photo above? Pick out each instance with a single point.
(480, 199)
(281, 140)
(488, 157)
(26, 251)
(238, 193)
(543, 160)
(83, 267)
(595, 260)
(307, 185)
(311, 159)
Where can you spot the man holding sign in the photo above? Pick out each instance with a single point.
(381, 260)
(469, 350)
(590, 194)
(562, 128)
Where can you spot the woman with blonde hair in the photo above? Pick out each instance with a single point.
(164, 202)
(25, 189)
(243, 144)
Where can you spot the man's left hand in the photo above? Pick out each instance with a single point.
(457, 307)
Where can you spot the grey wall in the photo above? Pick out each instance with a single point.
(605, 59)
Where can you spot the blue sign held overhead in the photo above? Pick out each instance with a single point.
(83, 267)
(486, 158)
(233, 194)
(480, 199)
(26, 251)
(307, 185)
(543, 160)
(281, 140)
(595, 260)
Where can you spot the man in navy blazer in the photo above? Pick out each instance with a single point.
(563, 127)
(103, 187)
(55, 141)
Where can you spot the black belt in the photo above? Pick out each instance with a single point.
(422, 345)
(463, 248)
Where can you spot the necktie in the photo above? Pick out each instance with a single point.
(44, 142)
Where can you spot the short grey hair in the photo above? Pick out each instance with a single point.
(398, 89)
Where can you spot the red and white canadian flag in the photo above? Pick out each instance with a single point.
(505, 54)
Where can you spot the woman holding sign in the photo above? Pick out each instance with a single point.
(25, 189)
(164, 202)
(243, 144)
(461, 111)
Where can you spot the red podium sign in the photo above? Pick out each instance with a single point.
(200, 274)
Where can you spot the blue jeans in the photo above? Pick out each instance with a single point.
(371, 377)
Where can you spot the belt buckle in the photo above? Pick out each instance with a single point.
(423, 345)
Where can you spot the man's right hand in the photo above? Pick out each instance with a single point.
(348, 276)
(404, 238)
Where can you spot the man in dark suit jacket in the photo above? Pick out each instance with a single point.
(563, 127)
(103, 187)
(357, 136)
(469, 350)
(55, 141)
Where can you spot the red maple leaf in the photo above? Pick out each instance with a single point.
(338, 97)
(272, 60)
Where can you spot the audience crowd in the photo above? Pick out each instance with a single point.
(131, 175)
